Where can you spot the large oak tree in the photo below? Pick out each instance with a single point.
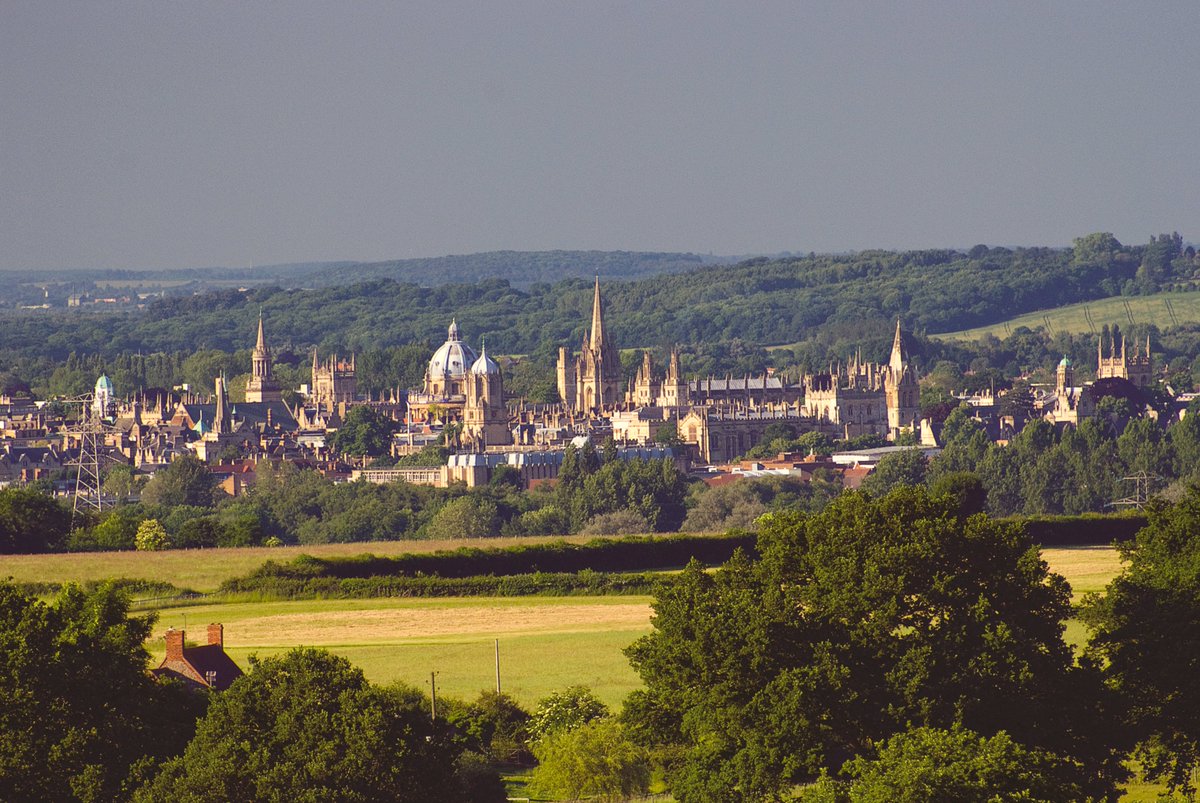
(856, 623)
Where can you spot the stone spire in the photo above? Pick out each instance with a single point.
(261, 387)
(899, 357)
(261, 345)
(597, 339)
(221, 422)
(261, 358)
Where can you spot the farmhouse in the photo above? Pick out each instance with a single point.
(206, 666)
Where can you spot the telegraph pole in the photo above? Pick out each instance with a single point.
(497, 666)
(433, 695)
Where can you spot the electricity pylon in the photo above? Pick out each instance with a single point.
(90, 429)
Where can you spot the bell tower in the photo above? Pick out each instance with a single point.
(262, 386)
(485, 415)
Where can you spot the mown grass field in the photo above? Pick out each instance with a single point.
(1074, 318)
(1087, 568)
(546, 643)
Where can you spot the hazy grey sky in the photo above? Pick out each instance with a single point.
(166, 134)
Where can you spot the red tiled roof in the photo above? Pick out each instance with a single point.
(212, 658)
(198, 662)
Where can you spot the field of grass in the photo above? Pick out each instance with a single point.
(1087, 568)
(546, 643)
(1092, 315)
(204, 569)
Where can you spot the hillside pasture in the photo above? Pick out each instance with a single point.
(1090, 316)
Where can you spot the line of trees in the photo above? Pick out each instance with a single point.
(596, 493)
(760, 300)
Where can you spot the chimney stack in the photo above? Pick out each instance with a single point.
(174, 644)
(216, 635)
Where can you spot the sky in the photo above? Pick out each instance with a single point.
(169, 135)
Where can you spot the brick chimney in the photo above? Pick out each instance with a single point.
(216, 635)
(174, 644)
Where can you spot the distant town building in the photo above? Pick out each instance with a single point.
(262, 386)
(865, 398)
(333, 382)
(590, 382)
(1138, 367)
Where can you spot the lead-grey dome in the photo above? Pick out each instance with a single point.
(485, 365)
(453, 357)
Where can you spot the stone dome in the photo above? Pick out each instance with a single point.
(485, 365)
(453, 357)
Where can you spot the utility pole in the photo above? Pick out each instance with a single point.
(433, 695)
(497, 666)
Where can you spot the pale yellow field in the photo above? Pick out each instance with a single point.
(384, 621)
(1087, 568)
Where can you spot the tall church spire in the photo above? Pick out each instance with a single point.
(261, 345)
(262, 386)
(597, 319)
(221, 422)
(899, 358)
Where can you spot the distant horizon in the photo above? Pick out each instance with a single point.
(797, 253)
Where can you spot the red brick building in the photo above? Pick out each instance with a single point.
(206, 666)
